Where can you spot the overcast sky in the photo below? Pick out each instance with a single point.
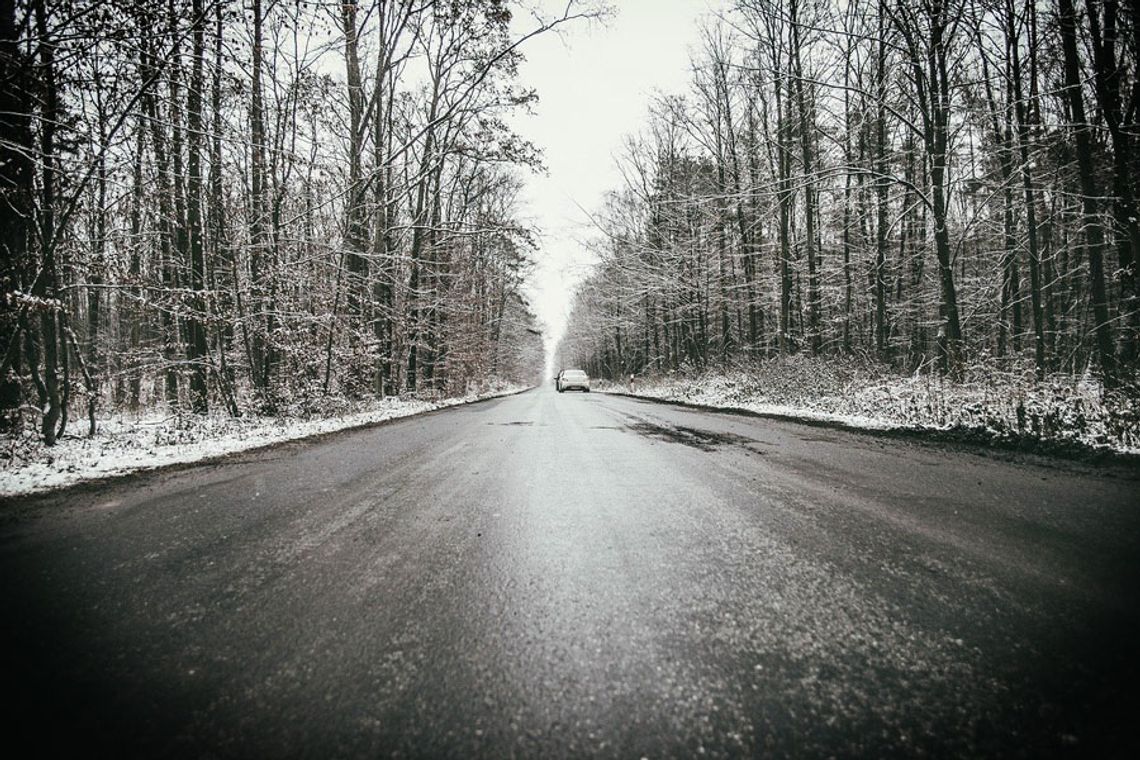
(594, 84)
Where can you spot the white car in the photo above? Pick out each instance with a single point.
(569, 379)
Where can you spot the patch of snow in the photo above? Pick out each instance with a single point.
(1003, 404)
(124, 443)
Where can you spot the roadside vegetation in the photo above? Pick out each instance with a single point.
(259, 208)
(1061, 413)
(128, 442)
(918, 213)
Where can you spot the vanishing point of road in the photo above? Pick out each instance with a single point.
(556, 575)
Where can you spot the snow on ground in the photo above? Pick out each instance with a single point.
(998, 406)
(1001, 406)
(127, 443)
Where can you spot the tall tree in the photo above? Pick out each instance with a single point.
(16, 205)
(1119, 111)
(1094, 231)
(46, 285)
(929, 31)
(197, 350)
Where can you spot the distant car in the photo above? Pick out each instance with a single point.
(569, 379)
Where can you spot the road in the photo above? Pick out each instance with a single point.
(557, 575)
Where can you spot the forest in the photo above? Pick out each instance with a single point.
(257, 206)
(272, 207)
(934, 187)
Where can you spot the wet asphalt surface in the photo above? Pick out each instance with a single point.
(553, 575)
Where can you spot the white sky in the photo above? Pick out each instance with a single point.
(594, 84)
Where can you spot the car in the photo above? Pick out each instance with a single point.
(569, 379)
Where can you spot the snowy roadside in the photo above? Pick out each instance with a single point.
(1050, 415)
(125, 443)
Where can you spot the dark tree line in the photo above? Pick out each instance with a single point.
(253, 204)
(927, 183)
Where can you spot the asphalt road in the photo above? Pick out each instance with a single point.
(553, 575)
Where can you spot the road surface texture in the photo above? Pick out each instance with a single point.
(556, 575)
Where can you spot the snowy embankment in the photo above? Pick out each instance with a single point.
(1061, 412)
(127, 443)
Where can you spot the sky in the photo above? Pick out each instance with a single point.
(595, 82)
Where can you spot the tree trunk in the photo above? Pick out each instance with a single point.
(1094, 232)
(221, 254)
(807, 128)
(784, 182)
(1108, 81)
(354, 236)
(258, 344)
(197, 351)
(16, 204)
(47, 284)
(165, 210)
(174, 340)
(1022, 114)
(881, 196)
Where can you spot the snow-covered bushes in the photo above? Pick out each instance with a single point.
(990, 402)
